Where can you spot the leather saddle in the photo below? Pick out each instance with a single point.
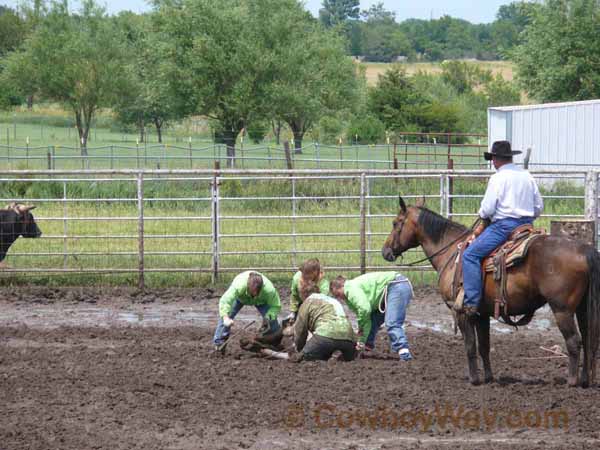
(507, 255)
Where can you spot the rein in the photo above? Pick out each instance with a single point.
(447, 246)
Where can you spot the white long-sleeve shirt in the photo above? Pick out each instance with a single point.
(511, 192)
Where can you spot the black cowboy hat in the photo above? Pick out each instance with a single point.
(501, 149)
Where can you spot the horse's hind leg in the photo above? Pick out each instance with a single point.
(483, 340)
(467, 328)
(582, 322)
(566, 324)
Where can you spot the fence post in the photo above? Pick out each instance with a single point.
(294, 242)
(318, 154)
(591, 196)
(363, 224)
(53, 157)
(288, 156)
(444, 195)
(450, 189)
(49, 160)
(65, 226)
(214, 190)
(140, 204)
(112, 155)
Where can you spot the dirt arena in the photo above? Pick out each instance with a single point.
(112, 369)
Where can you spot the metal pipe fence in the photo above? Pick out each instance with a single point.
(163, 227)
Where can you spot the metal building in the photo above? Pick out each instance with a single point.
(565, 135)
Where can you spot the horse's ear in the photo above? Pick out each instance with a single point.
(402, 204)
(420, 202)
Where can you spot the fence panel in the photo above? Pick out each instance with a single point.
(173, 228)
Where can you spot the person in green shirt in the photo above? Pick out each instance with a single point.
(331, 330)
(308, 276)
(377, 298)
(248, 288)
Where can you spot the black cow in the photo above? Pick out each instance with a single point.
(16, 220)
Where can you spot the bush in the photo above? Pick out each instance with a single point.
(365, 130)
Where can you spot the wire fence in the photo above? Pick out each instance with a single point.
(169, 228)
(407, 155)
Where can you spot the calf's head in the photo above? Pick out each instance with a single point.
(24, 222)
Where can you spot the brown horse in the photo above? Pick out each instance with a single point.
(561, 272)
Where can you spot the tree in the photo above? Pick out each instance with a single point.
(77, 60)
(336, 12)
(150, 99)
(559, 59)
(312, 77)
(395, 101)
(383, 40)
(221, 58)
(12, 30)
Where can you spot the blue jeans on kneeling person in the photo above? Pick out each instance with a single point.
(493, 236)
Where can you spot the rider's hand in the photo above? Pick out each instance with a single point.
(227, 321)
(359, 346)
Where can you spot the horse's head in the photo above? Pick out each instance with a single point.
(404, 232)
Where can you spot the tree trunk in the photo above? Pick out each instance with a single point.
(277, 125)
(298, 129)
(158, 124)
(229, 138)
(30, 102)
(141, 129)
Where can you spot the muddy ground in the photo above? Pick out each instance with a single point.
(113, 369)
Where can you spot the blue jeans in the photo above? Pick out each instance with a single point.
(222, 332)
(493, 236)
(399, 295)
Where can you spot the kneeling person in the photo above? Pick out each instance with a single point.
(248, 288)
(377, 298)
(326, 319)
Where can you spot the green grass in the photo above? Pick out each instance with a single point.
(252, 218)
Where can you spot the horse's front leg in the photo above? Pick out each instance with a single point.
(483, 341)
(467, 328)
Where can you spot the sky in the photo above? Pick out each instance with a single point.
(476, 11)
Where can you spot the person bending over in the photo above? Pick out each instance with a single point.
(377, 298)
(248, 288)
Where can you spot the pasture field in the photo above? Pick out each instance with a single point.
(260, 226)
(111, 368)
(373, 70)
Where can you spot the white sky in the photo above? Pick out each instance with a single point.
(476, 11)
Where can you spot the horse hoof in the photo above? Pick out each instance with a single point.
(489, 379)
(475, 381)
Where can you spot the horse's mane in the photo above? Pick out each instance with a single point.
(437, 226)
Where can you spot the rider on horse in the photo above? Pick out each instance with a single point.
(512, 199)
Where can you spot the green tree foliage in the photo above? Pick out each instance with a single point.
(511, 21)
(13, 30)
(559, 59)
(150, 99)
(78, 60)
(395, 101)
(366, 129)
(464, 76)
(382, 39)
(222, 57)
(336, 12)
(312, 77)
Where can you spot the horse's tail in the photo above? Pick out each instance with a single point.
(593, 311)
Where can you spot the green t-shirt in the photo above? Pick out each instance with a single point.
(323, 316)
(363, 295)
(295, 300)
(238, 290)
